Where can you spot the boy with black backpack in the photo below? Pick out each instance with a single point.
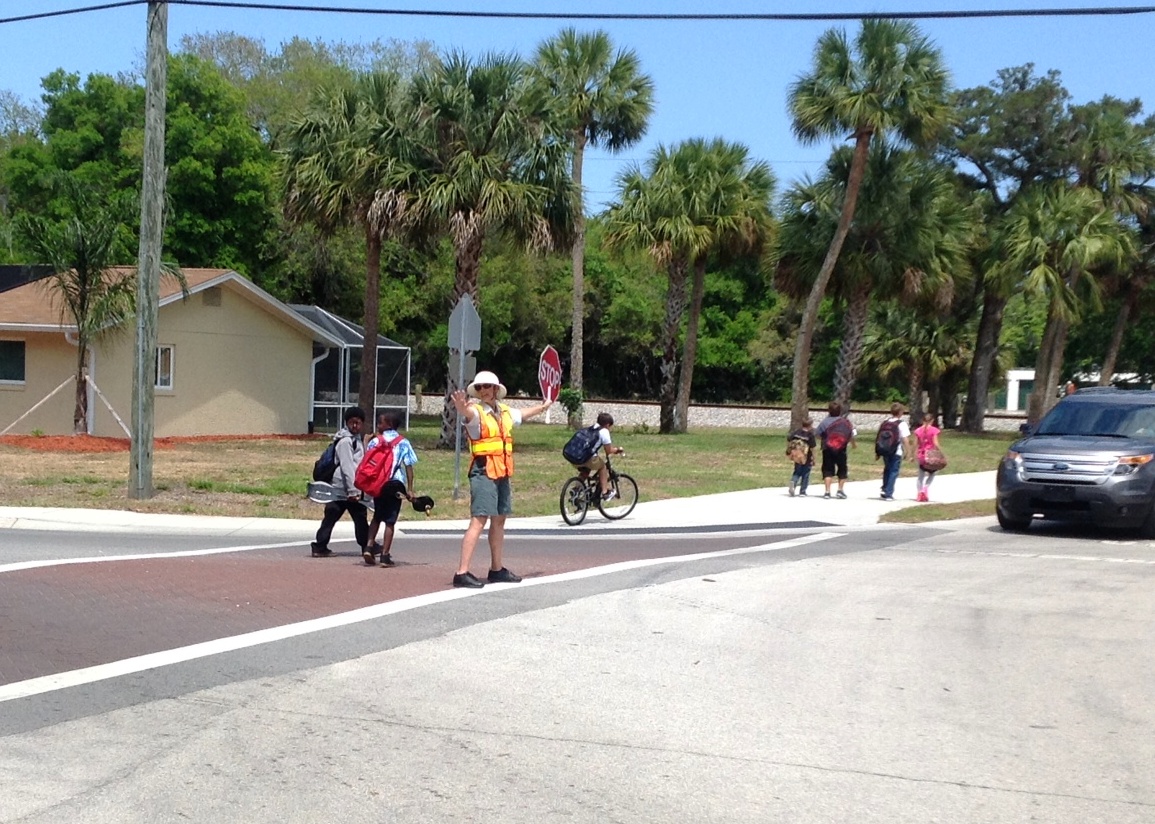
(582, 450)
(893, 435)
(348, 453)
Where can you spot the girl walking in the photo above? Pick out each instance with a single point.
(927, 436)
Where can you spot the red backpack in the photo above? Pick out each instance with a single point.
(838, 434)
(376, 468)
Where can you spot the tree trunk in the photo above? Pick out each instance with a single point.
(690, 348)
(1122, 320)
(949, 383)
(1055, 368)
(934, 399)
(577, 320)
(914, 382)
(467, 246)
(1044, 388)
(80, 411)
(800, 397)
(675, 308)
(983, 362)
(853, 338)
(367, 392)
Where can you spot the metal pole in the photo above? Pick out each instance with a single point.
(457, 429)
(148, 263)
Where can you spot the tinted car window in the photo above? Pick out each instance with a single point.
(1088, 418)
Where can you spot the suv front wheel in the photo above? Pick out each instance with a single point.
(1012, 524)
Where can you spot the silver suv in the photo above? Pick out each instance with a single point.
(1091, 458)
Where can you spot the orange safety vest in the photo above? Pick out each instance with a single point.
(496, 441)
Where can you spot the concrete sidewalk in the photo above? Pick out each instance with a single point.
(730, 510)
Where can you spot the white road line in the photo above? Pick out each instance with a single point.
(155, 660)
(149, 556)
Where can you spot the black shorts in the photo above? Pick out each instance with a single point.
(387, 505)
(834, 463)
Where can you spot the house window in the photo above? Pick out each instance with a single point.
(12, 361)
(164, 366)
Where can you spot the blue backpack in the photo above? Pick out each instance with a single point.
(583, 445)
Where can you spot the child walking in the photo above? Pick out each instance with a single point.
(387, 505)
(800, 478)
(927, 436)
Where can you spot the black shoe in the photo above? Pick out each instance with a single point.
(320, 551)
(503, 576)
(368, 557)
(467, 579)
(387, 560)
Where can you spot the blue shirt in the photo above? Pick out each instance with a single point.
(403, 454)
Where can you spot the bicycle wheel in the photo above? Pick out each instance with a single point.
(623, 503)
(574, 501)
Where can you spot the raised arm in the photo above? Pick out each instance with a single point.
(534, 411)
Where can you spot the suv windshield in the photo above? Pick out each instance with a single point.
(1084, 417)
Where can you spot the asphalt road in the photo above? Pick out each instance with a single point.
(948, 673)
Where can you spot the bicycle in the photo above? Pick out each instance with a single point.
(581, 492)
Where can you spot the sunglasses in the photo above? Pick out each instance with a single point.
(483, 386)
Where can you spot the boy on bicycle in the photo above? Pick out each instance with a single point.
(596, 463)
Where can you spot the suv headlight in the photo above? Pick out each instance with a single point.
(1130, 464)
(1011, 456)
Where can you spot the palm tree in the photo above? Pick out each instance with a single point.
(82, 249)
(701, 198)
(347, 163)
(1056, 235)
(493, 162)
(1133, 287)
(604, 101)
(918, 344)
(908, 242)
(893, 80)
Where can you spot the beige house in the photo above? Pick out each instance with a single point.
(231, 360)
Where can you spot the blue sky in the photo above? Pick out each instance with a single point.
(725, 78)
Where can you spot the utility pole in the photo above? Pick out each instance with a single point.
(148, 262)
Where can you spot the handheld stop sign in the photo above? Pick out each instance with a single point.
(549, 374)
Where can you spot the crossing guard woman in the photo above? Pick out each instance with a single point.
(489, 426)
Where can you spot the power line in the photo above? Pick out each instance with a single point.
(1089, 11)
(64, 12)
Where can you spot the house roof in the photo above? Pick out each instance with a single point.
(349, 333)
(34, 307)
(12, 276)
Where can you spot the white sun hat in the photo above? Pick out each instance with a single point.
(486, 376)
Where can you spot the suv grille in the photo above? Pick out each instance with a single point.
(1068, 469)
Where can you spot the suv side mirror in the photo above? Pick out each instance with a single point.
(1025, 429)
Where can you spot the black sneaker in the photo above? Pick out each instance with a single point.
(387, 560)
(840, 494)
(368, 557)
(503, 576)
(467, 579)
(320, 551)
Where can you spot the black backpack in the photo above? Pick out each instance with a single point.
(325, 467)
(888, 438)
(583, 445)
